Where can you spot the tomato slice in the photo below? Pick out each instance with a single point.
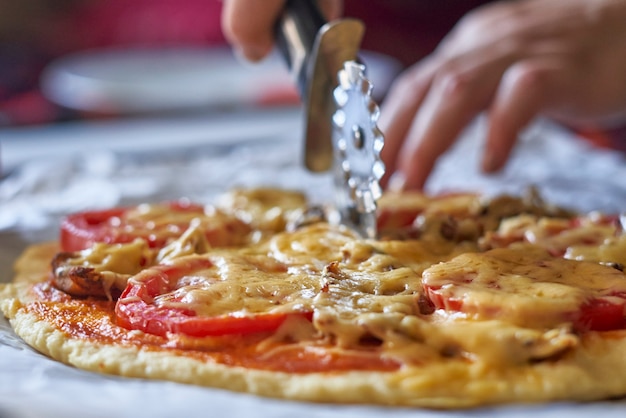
(441, 301)
(158, 226)
(597, 314)
(390, 218)
(398, 211)
(529, 288)
(602, 315)
(136, 309)
(81, 230)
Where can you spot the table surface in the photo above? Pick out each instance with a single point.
(53, 170)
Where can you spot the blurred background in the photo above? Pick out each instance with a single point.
(64, 60)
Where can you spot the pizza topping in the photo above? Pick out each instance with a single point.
(311, 215)
(265, 209)
(101, 270)
(493, 210)
(157, 224)
(558, 235)
(214, 295)
(527, 287)
(502, 344)
(412, 215)
(104, 269)
(610, 251)
(368, 296)
(312, 246)
(192, 241)
(456, 216)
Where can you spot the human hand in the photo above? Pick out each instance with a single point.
(515, 59)
(249, 24)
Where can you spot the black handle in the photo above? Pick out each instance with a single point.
(296, 32)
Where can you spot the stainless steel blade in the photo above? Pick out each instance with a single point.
(358, 143)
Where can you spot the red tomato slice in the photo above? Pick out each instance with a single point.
(136, 310)
(443, 302)
(400, 211)
(397, 217)
(81, 230)
(601, 315)
(598, 314)
(119, 225)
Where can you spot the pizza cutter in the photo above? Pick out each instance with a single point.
(341, 132)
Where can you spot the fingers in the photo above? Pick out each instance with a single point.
(397, 112)
(331, 9)
(514, 60)
(527, 88)
(449, 106)
(249, 24)
(456, 91)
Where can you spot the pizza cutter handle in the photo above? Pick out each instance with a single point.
(296, 32)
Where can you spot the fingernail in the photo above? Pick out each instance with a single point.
(248, 55)
(397, 182)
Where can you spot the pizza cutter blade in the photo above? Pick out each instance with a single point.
(358, 142)
(340, 126)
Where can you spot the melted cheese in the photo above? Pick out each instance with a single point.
(523, 285)
(611, 251)
(192, 241)
(266, 209)
(366, 292)
(242, 284)
(120, 258)
(592, 238)
(162, 224)
(362, 292)
(108, 265)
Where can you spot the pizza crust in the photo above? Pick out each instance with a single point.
(587, 374)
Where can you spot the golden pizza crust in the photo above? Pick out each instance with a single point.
(593, 370)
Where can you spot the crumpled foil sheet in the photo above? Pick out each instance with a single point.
(567, 171)
(35, 195)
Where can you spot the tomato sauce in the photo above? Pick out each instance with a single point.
(94, 320)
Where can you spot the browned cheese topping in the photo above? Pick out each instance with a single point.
(512, 305)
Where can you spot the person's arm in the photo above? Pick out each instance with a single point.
(516, 60)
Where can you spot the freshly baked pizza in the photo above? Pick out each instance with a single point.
(462, 301)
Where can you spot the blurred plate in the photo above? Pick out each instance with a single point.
(157, 79)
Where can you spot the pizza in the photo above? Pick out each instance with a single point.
(463, 300)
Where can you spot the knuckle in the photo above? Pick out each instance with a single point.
(492, 20)
(407, 83)
(525, 75)
(453, 83)
(420, 75)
